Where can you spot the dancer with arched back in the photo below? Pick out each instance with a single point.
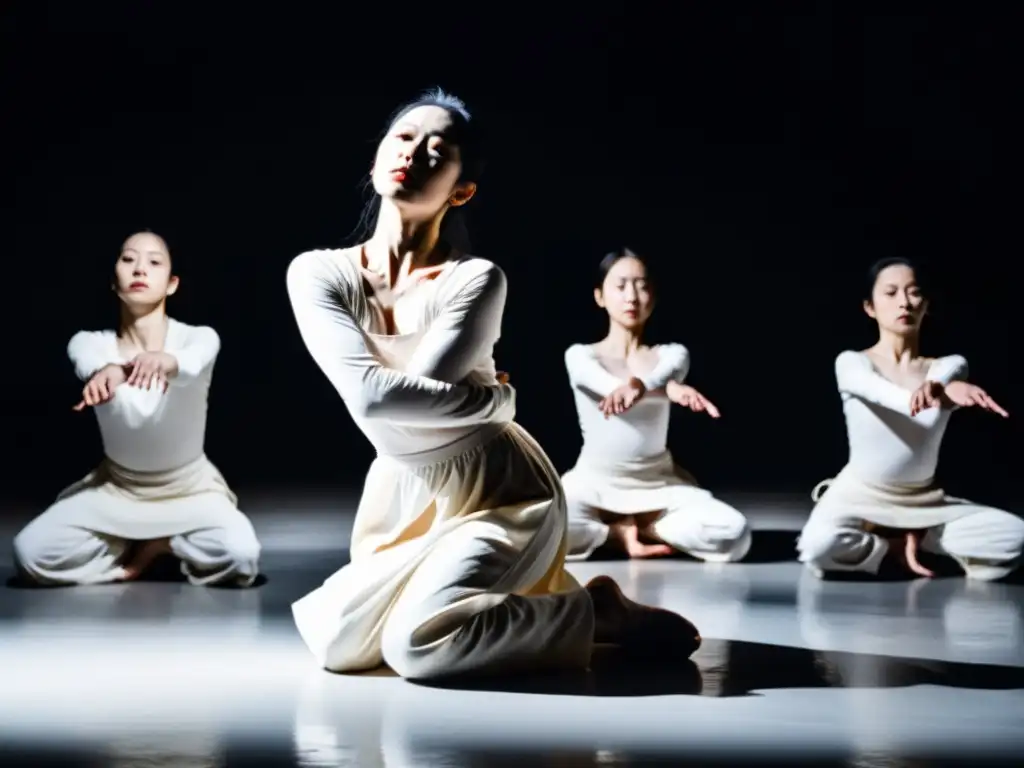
(460, 536)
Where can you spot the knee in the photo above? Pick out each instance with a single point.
(31, 551)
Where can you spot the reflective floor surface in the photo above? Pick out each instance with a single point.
(793, 671)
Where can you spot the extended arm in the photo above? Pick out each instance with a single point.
(89, 351)
(469, 321)
(857, 378)
(195, 356)
(322, 293)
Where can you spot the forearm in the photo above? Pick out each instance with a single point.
(416, 401)
(323, 298)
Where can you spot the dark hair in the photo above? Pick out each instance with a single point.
(466, 133)
(881, 265)
(613, 258)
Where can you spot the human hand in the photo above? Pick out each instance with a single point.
(502, 377)
(928, 395)
(622, 398)
(100, 388)
(688, 397)
(967, 395)
(151, 368)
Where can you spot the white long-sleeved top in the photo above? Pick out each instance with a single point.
(642, 431)
(446, 391)
(149, 430)
(888, 445)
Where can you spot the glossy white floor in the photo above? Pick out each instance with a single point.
(792, 670)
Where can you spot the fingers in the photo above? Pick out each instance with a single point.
(982, 398)
(80, 406)
(910, 553)
(713, 412)
(916, 402)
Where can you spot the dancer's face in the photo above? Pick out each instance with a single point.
(626, 293)
(418, 166)
(142, 275)
(897, 303)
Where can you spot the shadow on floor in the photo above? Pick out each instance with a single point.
(729, 668)
(164, 570)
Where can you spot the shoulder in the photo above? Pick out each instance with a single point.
(203, 333)
(321, 262)
(949, 363)
(475, 281)
(480, 273)
(672, 350)
(579, 351)
(851, 358)
(90, 338)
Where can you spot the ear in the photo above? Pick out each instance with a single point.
(172, 285)
(869, 309)
(599, 298)
(462, 194)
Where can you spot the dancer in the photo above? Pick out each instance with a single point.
(625, 490)
(459, 539)
(155, 491)
(897, 405)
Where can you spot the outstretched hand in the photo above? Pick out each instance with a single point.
(970, 395)
(622, 398)
(688, 397)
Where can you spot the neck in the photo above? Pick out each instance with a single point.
(898, 347)
(401, 243)
(146, 328)
(622, 341)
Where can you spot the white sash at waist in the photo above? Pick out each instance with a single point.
(848, 499)
(122, 502)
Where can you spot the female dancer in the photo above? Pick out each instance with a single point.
(459, 539)
(897, 405)
(625, 490)
(155, 492)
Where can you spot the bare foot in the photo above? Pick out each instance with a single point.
(144, 557)
(627, 535)
(639, 628)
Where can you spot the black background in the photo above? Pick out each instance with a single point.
(763, 154)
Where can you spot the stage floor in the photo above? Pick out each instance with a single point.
(792, 671)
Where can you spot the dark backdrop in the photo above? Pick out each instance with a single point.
(763, 154)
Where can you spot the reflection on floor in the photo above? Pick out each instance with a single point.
(792, 670)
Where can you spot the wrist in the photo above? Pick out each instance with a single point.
(637, 384)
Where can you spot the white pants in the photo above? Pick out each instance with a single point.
(693, 521)
(456, 616)
(986, 542)
(53, 551)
